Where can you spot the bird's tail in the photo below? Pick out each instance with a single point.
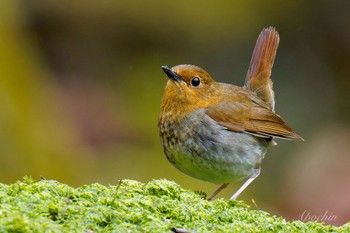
(258, 75)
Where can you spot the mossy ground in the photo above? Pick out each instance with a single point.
(131, 206)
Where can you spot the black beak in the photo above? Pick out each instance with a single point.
(170, 73)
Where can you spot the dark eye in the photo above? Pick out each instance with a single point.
(195, 82)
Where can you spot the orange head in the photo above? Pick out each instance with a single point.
(189, 88)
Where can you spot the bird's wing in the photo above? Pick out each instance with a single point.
(251, 118)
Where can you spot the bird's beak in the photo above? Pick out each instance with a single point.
(171, 74)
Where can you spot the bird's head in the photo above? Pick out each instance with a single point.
(189, 88)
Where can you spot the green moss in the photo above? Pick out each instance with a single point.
(131, 206)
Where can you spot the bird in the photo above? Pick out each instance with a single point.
(220, 132)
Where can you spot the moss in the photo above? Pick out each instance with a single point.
(131, 206)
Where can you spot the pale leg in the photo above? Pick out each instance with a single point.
(245, 185)
(217, 191)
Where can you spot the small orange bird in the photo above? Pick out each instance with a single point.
(219, 132)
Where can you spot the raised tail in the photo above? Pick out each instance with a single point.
(259, 72)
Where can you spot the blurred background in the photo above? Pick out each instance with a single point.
(81, 85)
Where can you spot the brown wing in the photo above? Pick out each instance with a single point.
(259, 72)
(249, 117)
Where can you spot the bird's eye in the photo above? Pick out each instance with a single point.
(195, 82)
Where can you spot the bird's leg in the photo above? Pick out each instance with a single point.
(245, 185)
(217, 191)
(250, 180)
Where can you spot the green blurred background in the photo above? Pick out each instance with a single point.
(81, 85)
